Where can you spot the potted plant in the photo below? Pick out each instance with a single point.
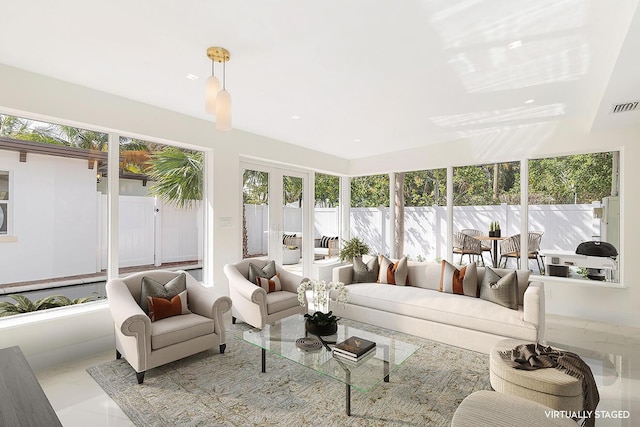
(494, 229)
(320, 323)
(353, 248)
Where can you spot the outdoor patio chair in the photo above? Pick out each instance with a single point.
(510, 248)
(147, 344)
(464, 244)
(486, 247)
(253, 304)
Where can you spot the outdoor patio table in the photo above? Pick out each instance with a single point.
(494, 248)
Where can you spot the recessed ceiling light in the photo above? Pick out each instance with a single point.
(295, 117)
(192, 76)
(515, 44)
(529, 101)
(356, 140)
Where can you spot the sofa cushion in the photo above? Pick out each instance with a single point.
(365, 273)
(161, 308)
(462, 282)
(500, 289)
(270, 285)
(521, 275)
(177, 329)
(393, 272)
(451, 309)
(268, 271)
(425, 274)
(280, 301)
(153, 288)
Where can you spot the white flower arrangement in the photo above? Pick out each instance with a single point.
(321, 291)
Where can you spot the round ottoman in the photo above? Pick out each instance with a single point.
(488, 408)
(548, 386)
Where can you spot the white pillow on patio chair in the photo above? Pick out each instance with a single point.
(253, 304)
(147, 344)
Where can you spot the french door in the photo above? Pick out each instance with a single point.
(275, 216)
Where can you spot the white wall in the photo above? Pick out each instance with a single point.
(52, 198)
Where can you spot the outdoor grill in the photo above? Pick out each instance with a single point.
(597, 249)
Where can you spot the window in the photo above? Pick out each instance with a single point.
(5, 201)
(49, 202)
(327, 209)
(370, 211)
(484, 195)
(422, 209)
(160, 199)
(575, 199)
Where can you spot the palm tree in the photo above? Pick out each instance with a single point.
(178, 176)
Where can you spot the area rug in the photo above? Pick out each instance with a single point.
(213, 389)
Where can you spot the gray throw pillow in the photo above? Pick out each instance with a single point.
(365, 273)
(268, 271)
(500, 290)
(153, 288)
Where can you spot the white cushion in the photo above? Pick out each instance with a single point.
(455, 310)
(177, 329)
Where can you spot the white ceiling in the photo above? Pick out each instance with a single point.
(365, 77)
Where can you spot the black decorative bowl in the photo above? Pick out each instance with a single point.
(320, 330)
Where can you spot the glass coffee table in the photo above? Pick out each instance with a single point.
(280, 339)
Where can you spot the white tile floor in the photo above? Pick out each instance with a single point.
(612, 351)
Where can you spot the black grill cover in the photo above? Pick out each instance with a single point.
(595, 248)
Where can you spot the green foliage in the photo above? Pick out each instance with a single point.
(327, 190)
(581, 178)
(178, 175)
(425, 188)
(370, 191)
(25, 305)
(256, 187)
(352, 248)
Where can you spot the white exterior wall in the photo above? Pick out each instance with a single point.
(54, 209)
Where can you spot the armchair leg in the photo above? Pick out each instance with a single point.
(118, 355)
(140, 376)
(223, 347)
(233, 320)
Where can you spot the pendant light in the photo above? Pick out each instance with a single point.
(218, 101)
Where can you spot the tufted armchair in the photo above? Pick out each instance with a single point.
(146, 344)
(253, 304)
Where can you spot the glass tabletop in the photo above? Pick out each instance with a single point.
(280, 339)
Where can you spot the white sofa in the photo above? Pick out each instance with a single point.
(421, 309)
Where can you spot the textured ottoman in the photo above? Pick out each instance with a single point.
(488, 408)
(549, 386)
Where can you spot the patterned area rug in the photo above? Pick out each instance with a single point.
(211, 389)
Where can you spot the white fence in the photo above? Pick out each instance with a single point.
(153, 232)
(564, 226)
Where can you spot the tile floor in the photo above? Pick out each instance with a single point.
(612, 351)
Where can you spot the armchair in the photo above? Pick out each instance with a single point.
(253, 304)
(146, 344)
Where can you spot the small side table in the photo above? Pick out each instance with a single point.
(290, 256)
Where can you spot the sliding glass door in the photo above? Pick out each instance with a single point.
(275, 216)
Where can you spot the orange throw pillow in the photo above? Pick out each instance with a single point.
(161, 308)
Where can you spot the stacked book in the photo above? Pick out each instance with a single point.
(354, 349)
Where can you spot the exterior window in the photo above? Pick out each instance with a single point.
(5, 201)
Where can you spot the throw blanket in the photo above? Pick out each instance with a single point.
(536, 356)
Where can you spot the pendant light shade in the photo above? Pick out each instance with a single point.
(217, 99)
(211, 91)
(223, 110)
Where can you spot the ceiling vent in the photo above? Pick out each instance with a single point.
(627, 106)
